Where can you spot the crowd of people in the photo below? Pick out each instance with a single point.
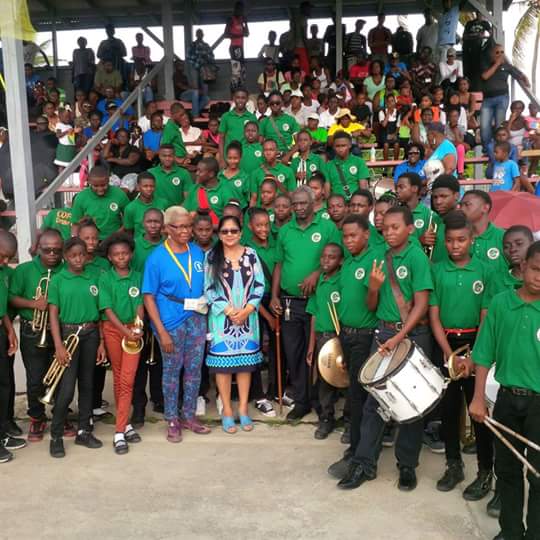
(190, 250)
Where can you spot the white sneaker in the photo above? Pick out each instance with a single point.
(265, 407)
(219, 405)
(201, 406)
(286, 400)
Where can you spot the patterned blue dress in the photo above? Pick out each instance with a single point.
(234, 348)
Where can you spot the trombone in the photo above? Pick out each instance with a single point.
(40, 318)
(134, 346)
(56, 369)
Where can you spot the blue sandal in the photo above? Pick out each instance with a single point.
(227, 423)
(246, 423)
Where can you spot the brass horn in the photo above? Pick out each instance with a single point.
(56, 369)
(40, 319)
(134, 346)
(452, 368)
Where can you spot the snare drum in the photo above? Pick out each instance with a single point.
(492, 388)
(405, 383)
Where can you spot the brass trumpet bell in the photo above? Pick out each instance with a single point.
(331, 364)
(134, 346)
(453, 372)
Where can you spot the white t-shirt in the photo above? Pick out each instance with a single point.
(446, 70)
(300, 116)
(144, 123)
(327, 119)
(66, 140)
(192, 135)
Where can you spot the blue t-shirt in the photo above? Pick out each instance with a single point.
(405, 167)
(504, 173)
(162, 279)
(103, 102)
(445, 148)
(448, 25)
(514, 156)
(152, 140)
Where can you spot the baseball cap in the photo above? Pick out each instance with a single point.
(313, 116)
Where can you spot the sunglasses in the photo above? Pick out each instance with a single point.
(226, 232)
(51, 251)
(275, 102)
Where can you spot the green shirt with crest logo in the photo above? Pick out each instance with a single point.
(488, 247)
(299, 250)
(353, 168)
(218, 196)
(285, 127)
(460, 292)
(106, 211)
(171, 185)
(328, 291)
(76, 296)
(283, 174)
(122, 294)
(252, 156)
(143, 248)
(238, 186)
(421, 218)
(314, 163)
(134, 214)
(231, 125)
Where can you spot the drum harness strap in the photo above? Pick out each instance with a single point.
(403, 307)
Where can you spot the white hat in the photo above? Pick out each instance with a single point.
(313, 116)
(297, 93)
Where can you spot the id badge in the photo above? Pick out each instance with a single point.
(191, 304)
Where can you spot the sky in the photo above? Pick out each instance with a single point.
(67, 40)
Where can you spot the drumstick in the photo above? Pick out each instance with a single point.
(508, 444)
(517, 435)
(334, 316)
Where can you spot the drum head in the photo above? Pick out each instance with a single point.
(379, 367)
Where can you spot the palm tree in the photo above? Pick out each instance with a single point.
(529, 23)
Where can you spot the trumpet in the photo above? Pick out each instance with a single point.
(40, 319)
(56, 370)
(134, 346)
(454, 374)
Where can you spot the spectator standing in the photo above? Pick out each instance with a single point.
(187, 90)
(402, 43)
(199, 57)
(236, 30)
(423, 73)
(428, 34)
(475, 35)
(83, 66)
(140, 51)
(112, 49)
(355, 44)
(108, 76)
(299, 29)
(270, 49)
(379, 39)
(315, 45)
(330, 39)
(447, 28)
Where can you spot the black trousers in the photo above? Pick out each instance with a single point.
(100, 374)
(81, 372)
(36, 363)
(11, 403)
(295, 340)
(409, 439)
(452, 404)
(522, 414)
(356, 343)
(5, 384)
(145, 372)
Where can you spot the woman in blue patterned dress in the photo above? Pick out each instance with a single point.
(234, 286)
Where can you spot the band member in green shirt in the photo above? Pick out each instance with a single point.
(409, 191)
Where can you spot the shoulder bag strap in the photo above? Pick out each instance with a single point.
(346, 187)
(276, 129)
(403, 307)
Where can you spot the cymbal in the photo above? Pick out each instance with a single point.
(331, 364)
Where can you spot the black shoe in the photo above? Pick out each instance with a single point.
(12, 443)
(451, 477)
(298, 413)
(326, 426)
(480, 487)
(494, 506)
(469, 449)
(5, 455)
(407, 479)
(56, 448)
(500, 536)
(137, 418)
(12, 429)
(87, 439)
(340, 468)
(354, 477)
(159, 408)
(346, 435)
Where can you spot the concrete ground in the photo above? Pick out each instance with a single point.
(271, 483)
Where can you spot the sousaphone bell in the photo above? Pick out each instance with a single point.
(330, 361)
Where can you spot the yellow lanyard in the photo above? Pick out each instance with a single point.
(187, 275)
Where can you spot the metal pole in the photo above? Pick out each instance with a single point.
(168, 44)
(498, 26)
(188, 25)
(339, 35)
(19, 138)
(139, 102)
(55, 49)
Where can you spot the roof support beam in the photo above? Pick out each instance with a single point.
(339, 35)
(168, 45)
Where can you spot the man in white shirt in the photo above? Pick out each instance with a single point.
(327, 118)
(297, 109)
(428, 34)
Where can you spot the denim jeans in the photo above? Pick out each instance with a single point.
(493, 110)
(198, 100)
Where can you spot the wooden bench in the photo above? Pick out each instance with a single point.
(530, 153)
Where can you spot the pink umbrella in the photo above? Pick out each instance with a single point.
(515, 208)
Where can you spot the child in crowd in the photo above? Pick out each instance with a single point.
(389, 124)
(337, 209)
(66, 135)
(210, 138)
(282, 211)
(233, 178)
(506, 173)
(203, 232)
(252, 149)
(152, 222)
(501, 135)
(317, 185)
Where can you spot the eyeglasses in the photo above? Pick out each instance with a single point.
(179, 227)
(226, 232)
(50, 251)
(274, 102)
(413, 153)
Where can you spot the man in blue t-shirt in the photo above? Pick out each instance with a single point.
(505, 171)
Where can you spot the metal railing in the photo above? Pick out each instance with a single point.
(136, 95)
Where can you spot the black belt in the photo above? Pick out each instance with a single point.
(290, 297)
(83, 326)
(361, 331)
(398, 326)
(524, 392)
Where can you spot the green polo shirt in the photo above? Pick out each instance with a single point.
(218, 196)
(352, 309)
(319, 135)
(502, 281)
(376, 239)
(285, 124)
(247, 235)
(76, 297)
(25, 281)
(421, 216)
(439, 253)
(488, 247)
(122, 294)
(238, 186)
(299, 250)
(143, 248)
(461, 293)
(314, 163)
(106, 211)
(267, 255)
(413, 274)
(97, 266)
(328, 290)
(232, 125)
(171, 185)
(354, 169)
(134, 214)
(252, 156)
(284, 175)
(323, 212)
(6, 277)
(59, 219)
(510, 338)
(173, 135)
